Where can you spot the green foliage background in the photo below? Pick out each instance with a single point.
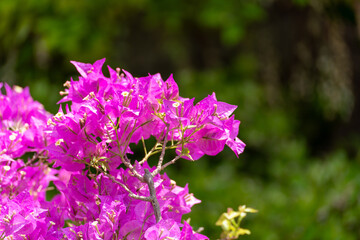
(290, 65)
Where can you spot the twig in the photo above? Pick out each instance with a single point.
(171, 162)
(36, 156)
(128, 164)
(131, 194)
(148, 178)
(148, 154)
(161, 159)
(143, 142)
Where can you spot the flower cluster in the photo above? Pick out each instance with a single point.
(22, 121)
(78, 181)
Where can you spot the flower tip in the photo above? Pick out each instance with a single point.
(18, 89)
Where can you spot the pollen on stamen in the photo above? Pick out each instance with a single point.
(67, 84)
(59, 114)
(161, 231)
(80, 234)
(50, 122)
(58, 142)
(188, 197)
(63, 93)
(215, 109)
(24, 128)
(98, 201)
(91, 95)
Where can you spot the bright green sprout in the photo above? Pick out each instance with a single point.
(230, 222)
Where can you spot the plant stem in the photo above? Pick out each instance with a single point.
(131, 194)
(148, 178)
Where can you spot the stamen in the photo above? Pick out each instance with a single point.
(67, 84)
(58, 142)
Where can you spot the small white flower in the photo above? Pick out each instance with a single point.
(6, 168)
(59, 114)
(13, 136)
(176, 104)
(18, 89)
(58, 142)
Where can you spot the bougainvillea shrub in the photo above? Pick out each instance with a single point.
(82, 155)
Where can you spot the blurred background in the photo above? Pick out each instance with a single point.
(292, 67)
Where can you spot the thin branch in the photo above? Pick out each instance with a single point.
(148, 178)
(161, 159)
(131, 194)
(151, 152)
(36, 156)
(143, 142)
(128, 164)
(171, 162)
